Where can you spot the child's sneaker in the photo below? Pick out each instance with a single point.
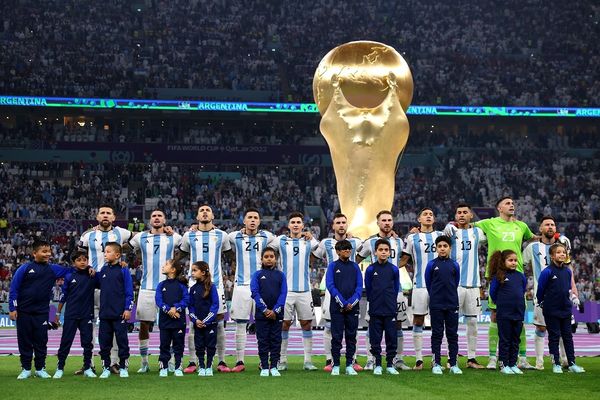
(208, 372)
(275, 372)
(123, 373)
(89, 373)
(178, 372)
(455, 370)
(163, 373)
(201, 372)
(26, 373)
(516, 370)
(42, 374)
(391, 371)
(377, 370)
(507, 371)
(557, 368)
(335, 370)
(144, 368)
(576, 369)
(350, 371)
(58, 374)
(264, 372)
(105, 373)
(437, 369)
(492, 363)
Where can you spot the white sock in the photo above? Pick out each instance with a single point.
(539, 346)
(327, 342)
(562, 352)
(471, 337)
(114, 352)
(400, 342)
(284, 346)
(307, 342)
(192, 346)
(418, 342)
(221, 341)
(240, 340)
(368, 344)
(144, 350)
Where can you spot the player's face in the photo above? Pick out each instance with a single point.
(506, 207)
(111, 255)
(426, 218)
(344, 254)
(157, 219)
(442, 249)
(511, 261)
(548, 228)
(559, 256)
(268, 259)
(81, 262)
(296, 225)
(105, 217)
(252, 220)
(385, 222)
(205, 215)
(340, 225)
(463, 215)
(382, 252)
(42, 254)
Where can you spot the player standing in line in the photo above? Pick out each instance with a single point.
(208, 244)
(385, 222)
(94, 242)
(420, 247)
(536, 257)
(294, 258)
(466, 240)
(326, 251)
(155, 247)
(504, 233)
(248, 245)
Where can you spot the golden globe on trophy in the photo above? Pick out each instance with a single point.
(362, 90)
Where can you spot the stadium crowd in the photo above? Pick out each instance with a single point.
(501, 55)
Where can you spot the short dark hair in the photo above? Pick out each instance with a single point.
(116, 246)
(382, 212)
(502, 199)
(267, 249)
(443, 238)
(338, 215)
(461, 205)
(106, 205)
(40, 243)
(545, 217)
(425, 209)
(78, 253)
(343, 245)
(159, 210)
(381, 242)
(251, 209)
(296, 214)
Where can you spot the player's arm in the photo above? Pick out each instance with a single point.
(13, 293)
(214, 306)
(404, 261)
(528, 258)
(362, 251)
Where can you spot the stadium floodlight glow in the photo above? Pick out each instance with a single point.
(297, 108)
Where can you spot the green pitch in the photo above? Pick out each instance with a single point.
(298, 384)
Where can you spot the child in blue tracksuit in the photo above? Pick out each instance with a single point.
(29, 305)
(203, 306)
(269, 290)
(171, 299)
(442, 276)
(78, 295)
(344, 283)
(116, 303)
(382, 282)
(507, 290)
(553, 295)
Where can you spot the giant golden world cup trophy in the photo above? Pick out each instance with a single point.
(362, 90)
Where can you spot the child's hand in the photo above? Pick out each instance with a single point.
(172, 312)
(269, 314)
(57, 319)
(177, 315)
(348, 308)
(200, 324)
(126, 315)
(92, 272)
(12, 315)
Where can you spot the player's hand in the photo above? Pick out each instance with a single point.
(394, 234)
(575, 300)
(12, 315)
(307, 235)
(126, 315)
(243, 231)
(194, 228)
(96, 228)
(169, 230)
(414, 229)
(123, 264)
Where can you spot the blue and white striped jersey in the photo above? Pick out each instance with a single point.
(326, 250)
(294, 260)
(206, 246)
(368, 249)
(465, 251)
(248, 250)
(155, 251)
(421, 247)
(95, 240)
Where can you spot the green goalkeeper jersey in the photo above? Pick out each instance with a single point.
(504, 235)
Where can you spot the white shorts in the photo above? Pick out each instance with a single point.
(146, 306)
(401, 307)
(325, 306)
(242, 304)
(420, 301)
(538, 315)
(96, 302)
(469, 301)
(222, 301)
(299, 304)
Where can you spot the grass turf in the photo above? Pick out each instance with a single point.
(299, 384)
